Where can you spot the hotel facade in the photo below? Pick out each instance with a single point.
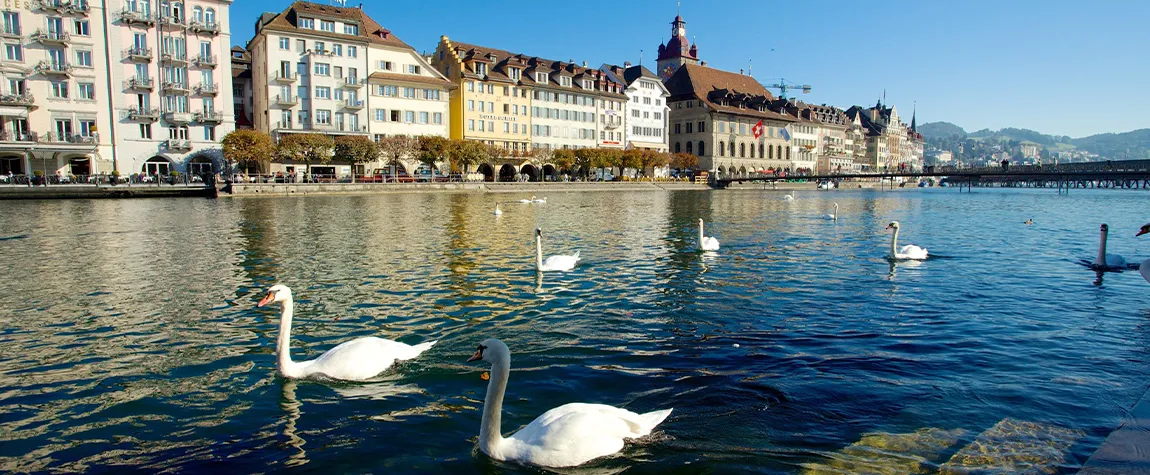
(646, 121)
(133, 86)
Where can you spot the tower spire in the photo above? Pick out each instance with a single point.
(913, 113)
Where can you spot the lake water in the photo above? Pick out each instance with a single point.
(129, 335)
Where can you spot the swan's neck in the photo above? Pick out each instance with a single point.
(894, 244)
(836, 211)
(700, 233)
(283, 343)
(538, 252)
(489, 436)
(1101, 259)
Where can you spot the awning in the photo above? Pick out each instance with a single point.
(14, 111)
(637, 144)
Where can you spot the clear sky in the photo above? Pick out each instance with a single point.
(1055, 66)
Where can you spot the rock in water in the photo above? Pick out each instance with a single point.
(890, 454)
(1014, 446)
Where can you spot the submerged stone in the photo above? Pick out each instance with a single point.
(1014, 446)
(884, 453)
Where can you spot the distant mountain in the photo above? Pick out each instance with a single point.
(1130, 145)
(941, 130)
(1019, 135)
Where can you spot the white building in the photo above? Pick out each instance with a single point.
(324, 69)
(573, 107)
(125, 85)
(646, 122)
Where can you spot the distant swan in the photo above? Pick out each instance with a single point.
(498, 212)
(528, 200)
(566, 436)
(354, 360)
(835, 216)
(554, 262)
(538, 200)
(909, 251)
(1104, 260)
(706, 243)
(790, 197)
(1028, 222)
(1144, 268)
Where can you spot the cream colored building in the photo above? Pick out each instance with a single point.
(128, 85)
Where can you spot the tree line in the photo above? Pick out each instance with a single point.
(251, 149)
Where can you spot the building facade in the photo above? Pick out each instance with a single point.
(242, 106)
(122, 85)
(335, 71)
(645, 126)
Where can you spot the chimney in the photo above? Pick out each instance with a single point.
(626, 64)
(704, 64)
(584, 63)
(741, 72)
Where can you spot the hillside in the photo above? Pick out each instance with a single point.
(941, 130)
(1133, 145)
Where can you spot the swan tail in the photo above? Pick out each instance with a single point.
(652, 419)
(416, 350)
(576, 255)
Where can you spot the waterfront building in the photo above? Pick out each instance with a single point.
(335, 71)
(885, 136)
(119, 85)
(834, 140)
(645, 125)
(524, 104)
(242, 87)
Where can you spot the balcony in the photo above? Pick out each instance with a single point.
(140, 114)
(140, 84)
(173, 58)
(69, 139)
(171, 21)
(287, 101)
(175, 87)
(178, 145)
(354, 83)
(64, 7)
(54, 69)
(205, 61)
(337, 128)
(209, 117)
(12, 32)
(133, 17)
(208, 28)
(207, 89)
(173, 117)
(138, 54)
(18, 100)
(353, 105)
(9, 136)
(50, 37)
(285, 126)
(285, 77)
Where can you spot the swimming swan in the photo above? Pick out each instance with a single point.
(554, 262)
(909, 251)
(834, 216)
(1104, 260)
(706, 243)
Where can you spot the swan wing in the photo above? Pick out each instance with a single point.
(363, 358)
(573, 434)
(561, 262)
(710, 244)
(1115, 260)
(911, 251)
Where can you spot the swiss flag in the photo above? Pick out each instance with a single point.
(758, 129)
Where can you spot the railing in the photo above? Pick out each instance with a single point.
(25, 100)
(77, 139)
(45, 67)
(354, 82)
(287, 100)
(104, 179)
(178, 117)
(209, 116)
(178, 144)
(379, 178)
(207, 89)
(175, 86)
(139, 113)
(205, 60)
(140, 83)
(9, 136)
(45, 36)
(173, 57)
(284, 126)
(354, 105)
(171, 20)
(205, 27)
(60, 6)
(138, 54)
(285, 77)
(133, 16)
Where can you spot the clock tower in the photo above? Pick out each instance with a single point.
(677, 52)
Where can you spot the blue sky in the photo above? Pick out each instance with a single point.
(1059, 67)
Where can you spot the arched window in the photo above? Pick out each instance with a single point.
(732, 148)
(722, 148)
(701, 153)
(788, 153)
(198, 14)
(770, 152)
(742, 150)
(677, 148)
(210, 17)
(165, 9)
(688, 147)
(761, 154)
(752, 150)
(178, 11)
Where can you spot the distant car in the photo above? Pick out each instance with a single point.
(382, 175)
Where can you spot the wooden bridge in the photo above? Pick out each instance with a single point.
(1108, 174)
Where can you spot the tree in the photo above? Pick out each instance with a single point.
(563, 159)
(355, 149)
(306, 148)
(611, 158)
(249, 148)
(582, 159)
(684, 161)
(395, 148)
(652, 159)
(432, 149)
(468, 152)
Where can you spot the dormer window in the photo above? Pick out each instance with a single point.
(513, 73)
(541, 78)
(565, 81)
(587, 84)
(481, 69)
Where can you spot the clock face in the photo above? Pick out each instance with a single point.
(668, 71)
(681, 31)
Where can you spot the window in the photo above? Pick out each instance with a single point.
(338, 94)
(337, 49)
(471, 124)
(380, 115)
(81, 28)
(678, 148)
(352, 51)
(285, 43)
(84, 58)
(300, 46)
(437, 118)
(413, 69)
(198, 14)
(12, 23)
(541, 77)
(678, 129)
(385, 65)
(322, 92)
(702, 126)
(146, 131)
(60, 89)
(352, 30)
(409, 117)
(210, 17)
(301, 92)
(327, 26)
(565, 81)
(323, 117)
(322, 69)
(689, 127)
(423, 117)
(482, 126)
(308, 23)
(513, 73)
(13, 52)
(338, 70)
(471, 105)
(320, 47)
(87, 90)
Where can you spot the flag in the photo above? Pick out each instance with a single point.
(786, 134)
(758, 129)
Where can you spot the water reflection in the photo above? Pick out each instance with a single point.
(291, 407)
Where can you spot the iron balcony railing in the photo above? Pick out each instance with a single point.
(205, 60)
(207, 89)
(45, 67)
(138, 54)
(46, 36)
(140, 83)
(10, 136)
(285, 76)
(25, 100)
(142, 113)
(178, 144)
(137, 17)
(209, 116)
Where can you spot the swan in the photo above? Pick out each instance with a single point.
(498, 212)
(528, 200)
(909, 251)
(706, 243)
(553, 262)
(566, 436)
(835, 216)
(790, 197)
(354, 360)
(542, 200)
(1144, 268)
(1028, 222)
(1104, 260)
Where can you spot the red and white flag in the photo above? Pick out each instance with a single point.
(758, 129)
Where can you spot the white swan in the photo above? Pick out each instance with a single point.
(539, 200)
(1104, 260)
(909, 251)
(498, 212)
(706, 243)
(790, 197)
(554, 262)
(1144, 268)
(835, 216)
(354, 360)
(566, 436)
(528, 200)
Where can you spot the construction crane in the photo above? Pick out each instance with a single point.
(784, 85)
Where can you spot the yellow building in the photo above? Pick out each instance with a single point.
(489, 103)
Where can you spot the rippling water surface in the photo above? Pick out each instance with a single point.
(129, 335)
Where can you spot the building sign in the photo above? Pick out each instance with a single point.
(508, 118)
